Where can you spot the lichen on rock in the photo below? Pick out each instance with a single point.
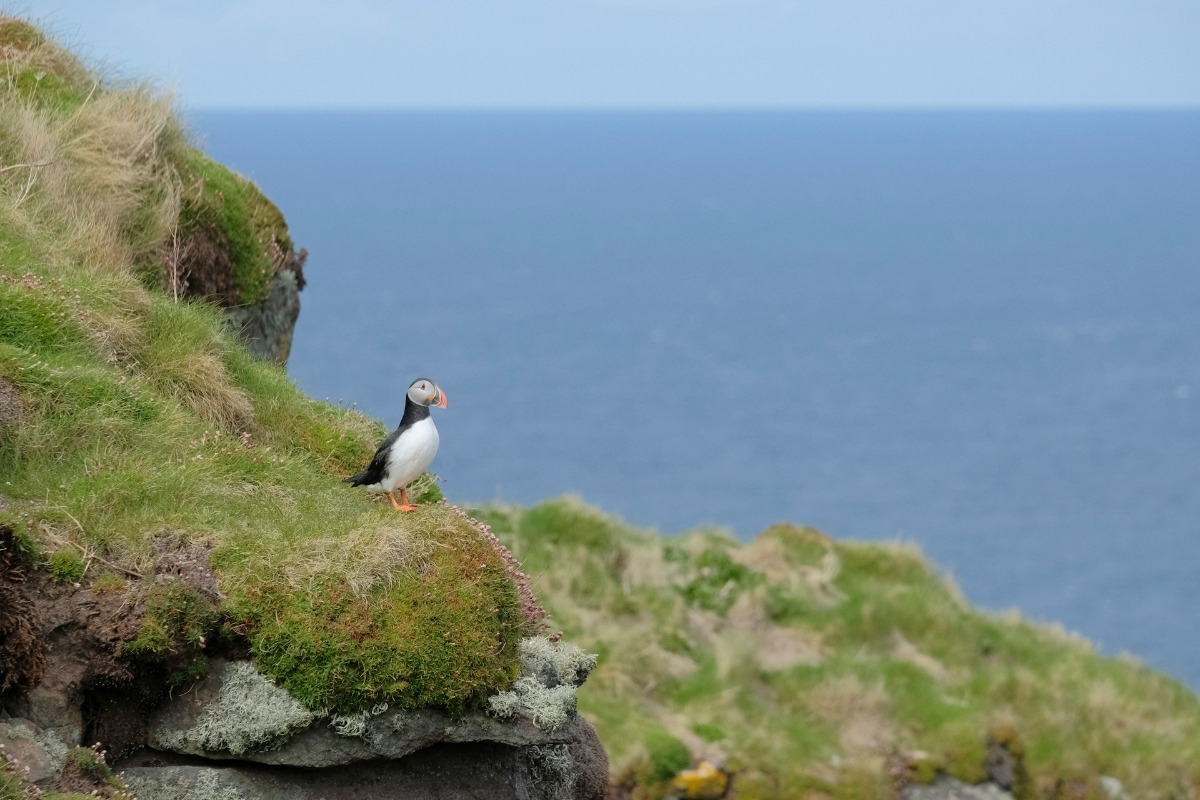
(546, 690)
(242, 712)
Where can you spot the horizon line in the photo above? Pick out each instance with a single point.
(672, 108)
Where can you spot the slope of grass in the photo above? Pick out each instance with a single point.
(140, 424)
(809, 661)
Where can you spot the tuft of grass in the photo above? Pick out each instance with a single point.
(66, 566)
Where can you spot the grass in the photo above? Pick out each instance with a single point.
(143, 422)
(808, 662)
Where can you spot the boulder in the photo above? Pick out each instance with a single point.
(236, 712)
(263, 744)
(22, 742)
(441, 772)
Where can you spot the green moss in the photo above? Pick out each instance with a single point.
(177, 623)
(668, 756)
(436, 637)
(66, 566)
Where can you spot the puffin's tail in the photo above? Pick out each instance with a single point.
(355, 480)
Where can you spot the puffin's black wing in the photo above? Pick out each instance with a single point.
(374, 472)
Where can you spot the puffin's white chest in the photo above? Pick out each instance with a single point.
(410, 455)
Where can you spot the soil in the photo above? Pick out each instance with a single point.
(22, 650)
(63, 643)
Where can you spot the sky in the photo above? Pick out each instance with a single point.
(642, 53)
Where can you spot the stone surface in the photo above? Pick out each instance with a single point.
(267, 326)
(20, 740)
(236, 712)
(472, 771)
(951, 789)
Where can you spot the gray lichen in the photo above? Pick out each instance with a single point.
(250, 714)
(551, 770)
(545, 692)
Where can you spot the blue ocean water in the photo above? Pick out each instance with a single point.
(979, 331)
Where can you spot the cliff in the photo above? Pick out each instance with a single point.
(184, 578)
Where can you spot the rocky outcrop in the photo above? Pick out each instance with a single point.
(267, 326)
(235, 735)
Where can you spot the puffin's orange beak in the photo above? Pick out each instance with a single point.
(441, 403)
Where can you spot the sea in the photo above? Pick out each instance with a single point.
(978, 331)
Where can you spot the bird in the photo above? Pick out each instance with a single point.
(408, 450)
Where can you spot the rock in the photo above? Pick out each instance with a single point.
(267, 326)
(52, 709)
(441, 772)
(950, 789)
(590, 761)
(22, 741)
(236, 712)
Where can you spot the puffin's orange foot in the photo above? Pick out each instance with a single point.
(404, 505)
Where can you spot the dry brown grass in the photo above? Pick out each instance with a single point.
(96, 175)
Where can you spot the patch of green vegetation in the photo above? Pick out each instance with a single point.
(12, 785)
(228, 210)
(43, 89)
(88, 763)
(109, 583)
(822, 650)
(668, 756)
(66, 566)
(176, 616)
(708, 732)
(433, 638)
(718, 581)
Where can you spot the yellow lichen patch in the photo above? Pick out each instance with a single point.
(705, 782)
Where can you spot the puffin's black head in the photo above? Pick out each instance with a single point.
(425, 392)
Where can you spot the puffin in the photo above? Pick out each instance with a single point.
(408, 450)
